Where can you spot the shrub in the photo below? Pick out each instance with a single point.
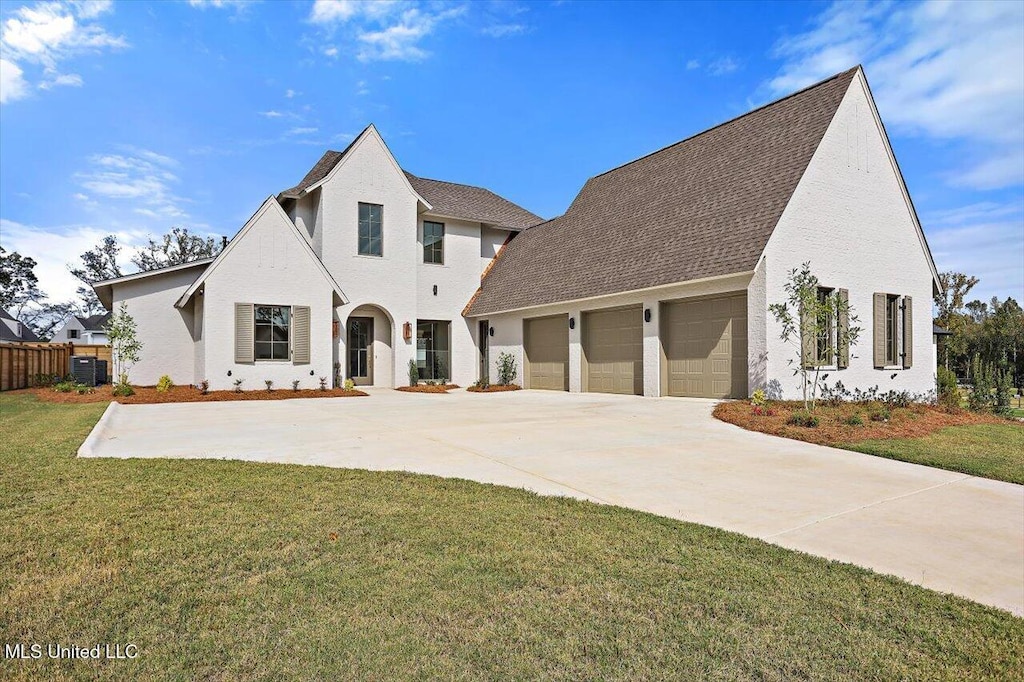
(45, 379)
(414, 373)
(802, 418)
(295, 385)
(880, 414)
(1004, 392)
(65, 386)
(854, 420)
(82, 389)
(238, 385)
(981, 390)
(350, 385)
(123, 389)
(270, 385)
(946, 388)
(483, 384)
(758, 398)
(164, 384)
(323, 383)
(762, 411)
(506, 369)
(204, 386)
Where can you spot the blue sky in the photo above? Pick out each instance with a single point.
(131, 117)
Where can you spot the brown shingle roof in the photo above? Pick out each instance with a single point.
(700, 208)
(472, 203)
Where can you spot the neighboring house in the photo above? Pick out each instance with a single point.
(13, 330)
(655, 281)
(85, 330)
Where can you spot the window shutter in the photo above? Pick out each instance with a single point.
(842, 327)
(244, 332)
(807, 340)
(300, 335)
(908, 332)
(878, 330)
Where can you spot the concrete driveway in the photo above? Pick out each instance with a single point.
(944, 530)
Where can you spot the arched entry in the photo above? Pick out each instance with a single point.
(368, 358)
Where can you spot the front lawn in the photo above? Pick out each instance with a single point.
(234, 570)
(977, 444)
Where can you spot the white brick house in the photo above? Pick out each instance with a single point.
(655, 281)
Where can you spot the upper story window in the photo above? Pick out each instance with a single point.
(72, 333)
(371, 229)
(433, 242)
(272, 332)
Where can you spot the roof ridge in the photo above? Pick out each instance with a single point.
(727, 122)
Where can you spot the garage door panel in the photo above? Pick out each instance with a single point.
(705, 343)
(613, 348)
(546, 342)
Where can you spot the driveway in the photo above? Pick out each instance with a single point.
(944, 530)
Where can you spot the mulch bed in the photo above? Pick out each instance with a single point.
(914, 421)
(427, 388)
(146, 395)
(494, 388)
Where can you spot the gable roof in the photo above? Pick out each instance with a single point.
(703, 207)
(477, 204)
(449, 199)
(94, 322)
(270, 204)
(7, 334)
(103, 287)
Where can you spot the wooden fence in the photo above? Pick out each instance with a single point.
(21, 364)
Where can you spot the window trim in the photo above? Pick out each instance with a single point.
(255, 322)
(893, 307)
(359, 236)
(74, 334)
(830, 358)
(440, 242)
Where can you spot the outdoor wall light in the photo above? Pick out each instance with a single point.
(572, 323)
(229, 372)
(647, 314)
(311, 373)
(435, 290)
(490, 331)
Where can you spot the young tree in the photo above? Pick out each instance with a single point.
(176, 247)
(949, 301)
(98, 263)
(125, 346)
(812, 319)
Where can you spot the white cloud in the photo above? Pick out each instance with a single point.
(301, 131)
(503, 30)
(330, 51)
(983, 239)
(722, 66)
(692, 64)
(237, 5)
(947, 71)
(140, 177)
(12, 82)
(271, 114)
(47, 33)
(291, 93)
(335, 11)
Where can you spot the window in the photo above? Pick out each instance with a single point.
(826, 329)
(72, 333)
(371, 229)
(433, 242)
(272, 332)
(433, 354)
(892, 316)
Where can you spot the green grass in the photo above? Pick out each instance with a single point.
(988, 450)
(228, 570)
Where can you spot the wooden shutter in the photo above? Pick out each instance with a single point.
(244, 332)
(878, 330)
(842, 326)
(300, 335)
(908, 332)
(808, 343)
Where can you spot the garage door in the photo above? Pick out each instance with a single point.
(613, 344)
(546, 340)
(705, 344)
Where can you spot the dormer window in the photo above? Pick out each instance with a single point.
(371, 229)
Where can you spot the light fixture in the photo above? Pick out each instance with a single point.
(229, 372)
(647, 314)
(572, 323)
(312, 373)
(435, 290)
(490, 331)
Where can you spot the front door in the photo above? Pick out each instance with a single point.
(485, 350)
(360, 350)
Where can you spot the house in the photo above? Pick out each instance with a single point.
(84, 330)
(655, 281)
(13, 330)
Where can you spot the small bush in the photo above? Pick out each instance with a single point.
(802, 418)
(123, 389)
(946, 389)
(483, 384)
(349, 385)
(238, 385)
(762, 411)
(854, 420)
(758, 399)
(64, 386)
(506, 369)
(295, 385)
(82, 389)
(164, 384)
(1004, 392)
(414, 373)
(323, 383)
(981, 390)
(270, 385)
(880, 414)
(204, 386)
(45, 379)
